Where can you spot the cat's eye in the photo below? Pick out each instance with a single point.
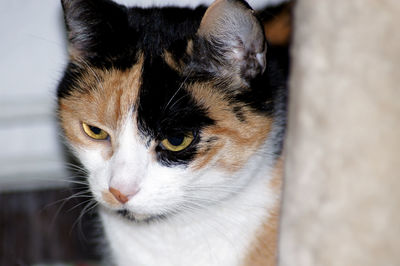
(178, 142)
(94, 132)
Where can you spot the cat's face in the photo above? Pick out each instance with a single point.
(166, 116)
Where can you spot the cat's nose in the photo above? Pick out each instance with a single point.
(119, 195)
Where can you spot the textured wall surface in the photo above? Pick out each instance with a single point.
(342, 184)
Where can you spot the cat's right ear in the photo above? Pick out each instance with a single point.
(95, 27)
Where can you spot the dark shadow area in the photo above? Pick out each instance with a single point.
(47, 227)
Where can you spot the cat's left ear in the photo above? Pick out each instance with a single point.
(234, 40)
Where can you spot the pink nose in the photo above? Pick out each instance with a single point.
(118, 195)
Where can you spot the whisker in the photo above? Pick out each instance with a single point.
(177, 101)
(74, 196)
(75, 167)
(78, 222)
(179, 88)
(82, 203)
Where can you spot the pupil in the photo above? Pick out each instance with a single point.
(176, 140)
(95, 130)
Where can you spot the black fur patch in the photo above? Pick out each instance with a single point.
(99, 30)
(166, 109)
(110, 35)
(148, 220)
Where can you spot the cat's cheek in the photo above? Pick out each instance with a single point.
(90, 158)
(97, 185)
(97, 168)
(161, 190)
(214, 183)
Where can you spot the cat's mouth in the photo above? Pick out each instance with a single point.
(141, 218)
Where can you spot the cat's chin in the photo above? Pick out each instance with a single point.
(140, 218)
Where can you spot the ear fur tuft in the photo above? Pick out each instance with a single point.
(236, 39)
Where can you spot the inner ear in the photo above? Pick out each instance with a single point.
(235, 39)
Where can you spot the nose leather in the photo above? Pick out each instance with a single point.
(118, 195)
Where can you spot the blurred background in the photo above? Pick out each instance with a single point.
(33, 55)
(38, 224)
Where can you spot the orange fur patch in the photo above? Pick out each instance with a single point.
(102, 98)
(263, 251)
(189, 47)
(173, 62)
(278, 31)
(236, 140)
(109, 198)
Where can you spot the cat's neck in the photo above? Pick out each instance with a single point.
(222, 234)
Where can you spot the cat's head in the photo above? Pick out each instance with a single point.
(166, 108)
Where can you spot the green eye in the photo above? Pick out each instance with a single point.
(94, 132)
(178, 142)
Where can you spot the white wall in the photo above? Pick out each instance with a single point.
(32, 58)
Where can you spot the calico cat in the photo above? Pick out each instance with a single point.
(178, 115)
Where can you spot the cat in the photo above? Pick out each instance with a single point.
(178, 115)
